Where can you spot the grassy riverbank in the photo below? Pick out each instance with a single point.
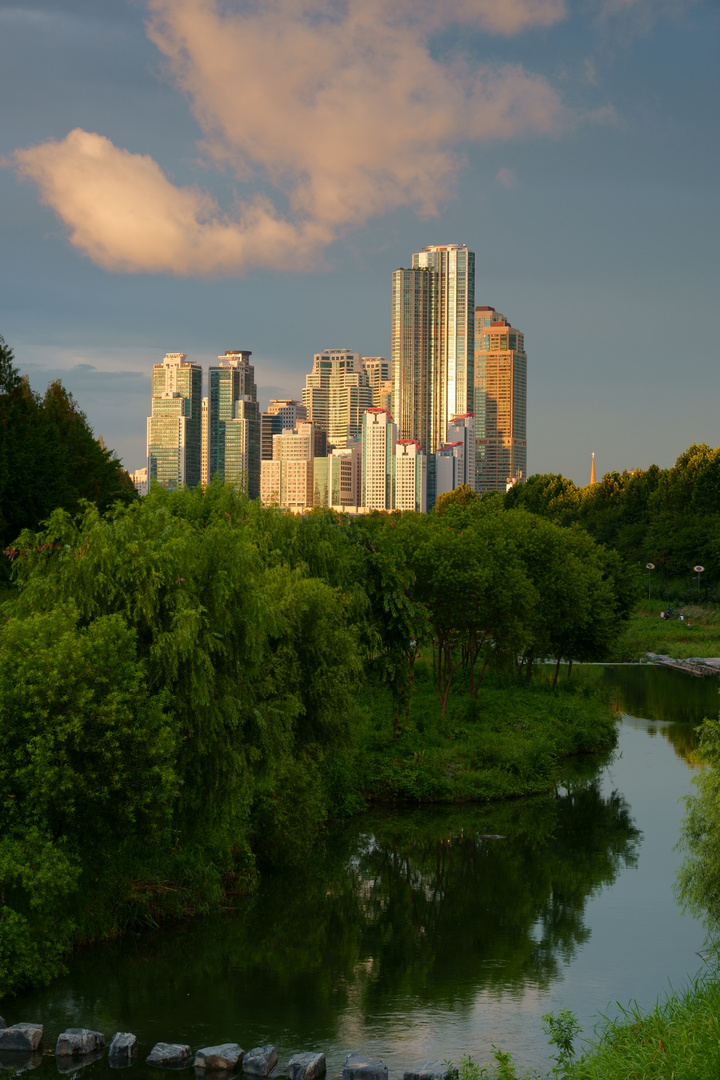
(697, 635)
(505, 744)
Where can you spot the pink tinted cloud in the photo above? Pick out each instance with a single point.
(338, 106)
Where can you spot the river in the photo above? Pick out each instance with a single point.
(429, 933)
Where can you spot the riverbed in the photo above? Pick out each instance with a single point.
(432, 933)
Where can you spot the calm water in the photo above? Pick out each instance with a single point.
(416, 934)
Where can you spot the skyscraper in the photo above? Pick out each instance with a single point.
(410, 476)
(336, 394)
(174, 428)
(433, 351)
(377, 370)
(379, 435)
(500, 402)
(234, 422)
(281, 413)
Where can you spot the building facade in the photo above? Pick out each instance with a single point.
(461, 429)
(174, 428)
(500, 402)
(336, 394)
(287, 480)
(379, 435)
(281, 413)
(234, 422)
(410, 476)
(433, 346)
(377, 369)
(337, 479)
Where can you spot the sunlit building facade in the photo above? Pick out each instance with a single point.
(287, 480)
(336, 478)
(281, 413)
(174, 435)
(433, 351)
(377, 369)
(461, 429)
(234, 422)
(336, 394)
(500, 402)
(379, 435)
(410, 476)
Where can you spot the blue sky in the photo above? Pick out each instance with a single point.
(248, 175)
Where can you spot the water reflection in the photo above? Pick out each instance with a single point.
(395, 912)
(680, 701)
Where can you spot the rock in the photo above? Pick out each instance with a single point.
(431, 1070)
(2, 1024)
(260, 1061)
(306, 1066)
(123, 1049)
(169, 1055)
(69, 1065)
(226, 1056)
(18, 1061)
(25, 1037)
(361, 1067)
(76, 1042)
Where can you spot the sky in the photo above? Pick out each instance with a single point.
(201, 175)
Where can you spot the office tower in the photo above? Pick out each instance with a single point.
(174, 428)
(412, 352)
(204, 436)
(379, 435)
(336, 394)
(281, 413)
(410, 476)
(234, 422)
(500, 402)
(287, 480)
(450, 466)
(461, 429)
(377, 370)
(433, 353)
(336, 479)
(385, 396)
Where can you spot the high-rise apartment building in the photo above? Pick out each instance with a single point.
(410, 476)
(379, 435)
(433, 351)
(450, 466)
(204, 437)
(234, 422)
(337, 478)
(287, 480)
(336, 394)
(461, 429)
(377, 370)
(500, 402)
(281, 413)
(174, 428)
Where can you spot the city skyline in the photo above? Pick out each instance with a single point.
(551, 137)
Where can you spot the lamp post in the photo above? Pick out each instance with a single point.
(650, 566)
(698, 570)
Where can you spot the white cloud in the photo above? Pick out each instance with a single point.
(336, 104)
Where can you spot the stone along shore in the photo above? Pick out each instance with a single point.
(20, 1049)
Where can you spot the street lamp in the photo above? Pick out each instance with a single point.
(650, 566)
(698, 570)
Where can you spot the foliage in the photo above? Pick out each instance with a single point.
(49, 457)
(563, 1028)
(670, 517)
(699, 877)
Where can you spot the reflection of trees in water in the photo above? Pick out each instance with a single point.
(396, 908)
(449, 912)
(661, 694)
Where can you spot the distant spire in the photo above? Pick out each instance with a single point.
(592, 469)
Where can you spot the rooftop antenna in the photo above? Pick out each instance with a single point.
(592, 469)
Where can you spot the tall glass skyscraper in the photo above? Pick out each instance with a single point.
(336, 394)
(500, 402)
(174, 428)
(433, 345)
(234, 422)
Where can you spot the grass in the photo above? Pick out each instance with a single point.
(507, 743)
(697, 635)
